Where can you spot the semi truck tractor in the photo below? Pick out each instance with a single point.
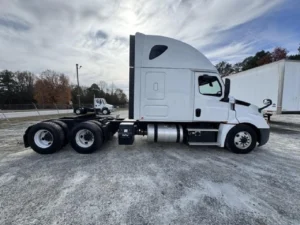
(100, 106)
(175, 95)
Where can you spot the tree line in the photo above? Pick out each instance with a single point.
(111, 93)
(260, 58)
(51, 87)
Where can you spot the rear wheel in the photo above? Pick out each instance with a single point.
(105, 111)
(46, 137)
(241, 139)
(86, 137)
(84, 111)
(65, 129)
(78, 111)
(105, 131)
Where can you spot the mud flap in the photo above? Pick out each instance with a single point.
(25, 138)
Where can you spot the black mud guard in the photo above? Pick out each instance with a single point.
(106, 132)
(25, 137)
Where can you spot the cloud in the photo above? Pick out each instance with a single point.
(101, 35)
(13, 22)
(231, 52)
(57, 34)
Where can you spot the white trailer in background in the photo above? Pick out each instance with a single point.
(278, 81)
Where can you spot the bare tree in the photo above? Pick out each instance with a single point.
(102, 85)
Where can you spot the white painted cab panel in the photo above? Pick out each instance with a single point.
(250, 114)
(165, 95)
(179, 55)
(212, 108)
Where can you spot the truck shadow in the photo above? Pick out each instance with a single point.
(280, 130)
(289, 124)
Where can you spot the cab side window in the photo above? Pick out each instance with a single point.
(209, 85)
(157, 50)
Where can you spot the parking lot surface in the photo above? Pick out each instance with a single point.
(20, 114)
(152, 183)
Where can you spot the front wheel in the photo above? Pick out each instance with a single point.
(105, 111)
(241, 139)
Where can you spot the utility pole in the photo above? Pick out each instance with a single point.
(78, 87)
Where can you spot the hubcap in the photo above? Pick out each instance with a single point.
(77, 111)
(84, 138)
(43, 138)
(242, 140)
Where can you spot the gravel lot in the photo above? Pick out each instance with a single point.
(151, 183)
(21, 114)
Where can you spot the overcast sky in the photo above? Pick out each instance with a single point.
(36, 35)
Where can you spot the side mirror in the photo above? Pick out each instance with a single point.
(267, 101)
(227, 88)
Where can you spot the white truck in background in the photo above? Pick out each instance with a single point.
(175, 95)
(100, 107)
(278, 81)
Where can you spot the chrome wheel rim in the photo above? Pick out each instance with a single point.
(242, 140)
(84, 138)
(77, 111)
(105, 111)
(43, 138)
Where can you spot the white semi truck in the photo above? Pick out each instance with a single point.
(278, 81)
(175, 95)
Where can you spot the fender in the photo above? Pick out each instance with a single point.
(223, 131)
(256, 120)
(251, 115)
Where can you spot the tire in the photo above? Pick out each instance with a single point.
(105, 111)
(84, 111)
(78, 111)
(65, 129)
(81, 135)
(104, 129)
(241, 139)
(39, 133)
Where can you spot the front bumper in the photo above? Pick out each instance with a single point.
(264, 136)
(112, 109)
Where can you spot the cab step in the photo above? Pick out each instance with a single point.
(202, 130)
(202, 136)
(204, 143)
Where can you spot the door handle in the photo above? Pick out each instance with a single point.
(198, 112)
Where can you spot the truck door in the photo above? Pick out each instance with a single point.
(98, 103)
(209, 91)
